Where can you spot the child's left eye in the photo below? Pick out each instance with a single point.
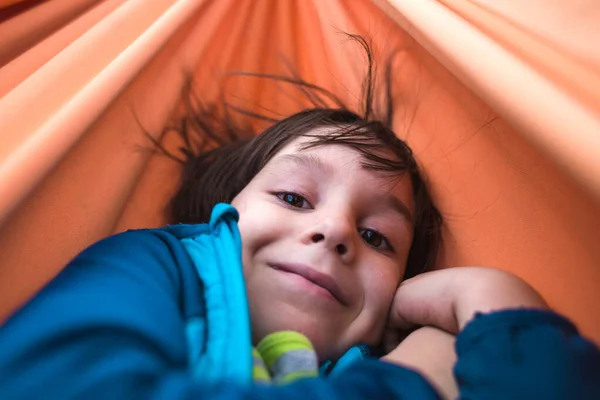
(293, 200)
(375, 239)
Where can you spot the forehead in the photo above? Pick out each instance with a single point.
(336, 152)
(341, 165)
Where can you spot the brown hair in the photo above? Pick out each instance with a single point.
(216, 175)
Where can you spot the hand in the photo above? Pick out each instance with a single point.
(448, 299)
(430, 352)
(442, 303)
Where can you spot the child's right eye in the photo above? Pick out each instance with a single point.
(293, 200)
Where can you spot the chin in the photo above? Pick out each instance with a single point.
(323, 336)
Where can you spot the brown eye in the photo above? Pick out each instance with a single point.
(375, 239)
(293, 199)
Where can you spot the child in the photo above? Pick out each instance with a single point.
(290, 260)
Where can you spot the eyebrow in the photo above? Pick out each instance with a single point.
(398, 205)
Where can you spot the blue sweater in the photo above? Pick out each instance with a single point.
(162, 314)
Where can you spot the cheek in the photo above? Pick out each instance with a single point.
(257, 227)
(251, 237)
(379, 286)
(260, 225)
(250, 213)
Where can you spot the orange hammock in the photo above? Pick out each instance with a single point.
(499, 99)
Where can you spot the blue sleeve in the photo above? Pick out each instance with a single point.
(525, 354)
(111, 326)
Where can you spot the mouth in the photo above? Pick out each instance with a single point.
(318, 278)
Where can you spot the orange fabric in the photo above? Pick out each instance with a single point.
(500, 101)
(7, 3)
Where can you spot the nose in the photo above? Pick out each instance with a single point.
(337, 234)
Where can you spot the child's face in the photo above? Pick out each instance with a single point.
(325, 244)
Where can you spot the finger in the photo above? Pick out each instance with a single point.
(427, 299)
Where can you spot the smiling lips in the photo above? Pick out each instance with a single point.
(316, 277)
